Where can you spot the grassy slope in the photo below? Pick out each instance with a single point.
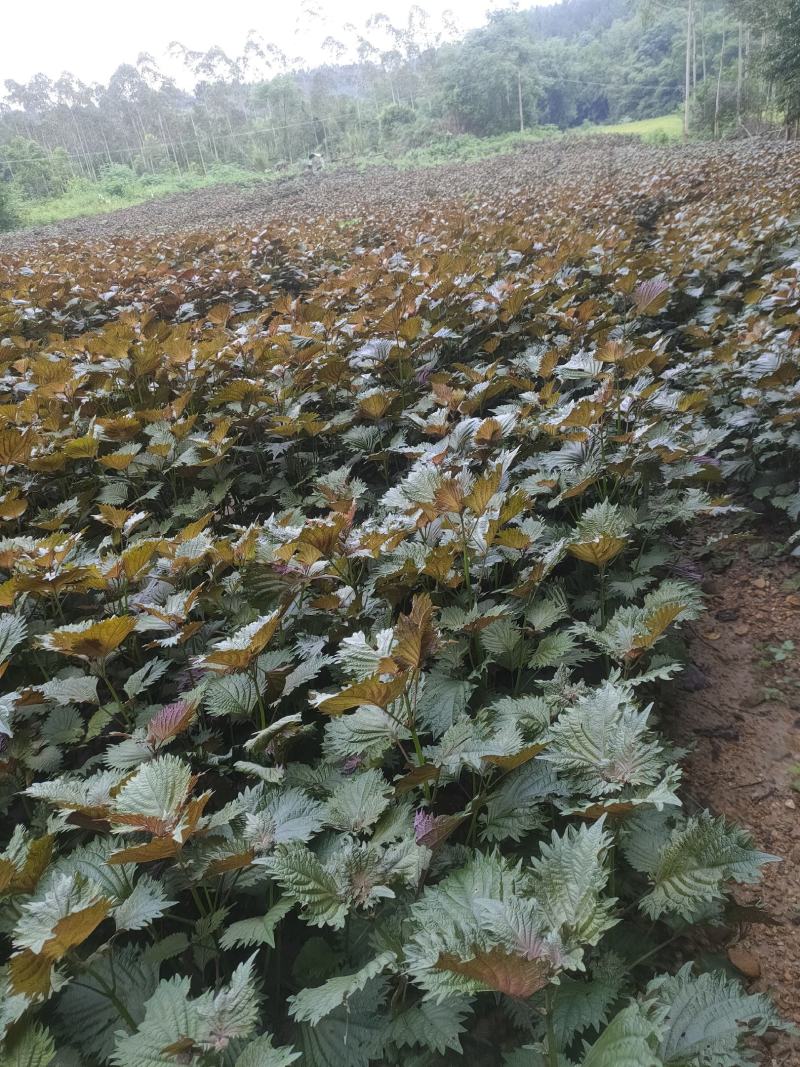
(665, 125)
(94, 199)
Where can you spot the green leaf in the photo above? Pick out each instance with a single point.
(706, 1017)
(359, 801)
(307, 883)
(167, 948)
(145, 677)
(351, 1035)
(503, 642)
(545, 613)
(144, 904)
(33, 1047)
(443, 701)
(311, 1005)
(470, 741)
(434, 1026)
(233, 1011)
(258, 931)
(367, 733)
(234, 695)
(262, 1053)
(516, 805)
(361, 657)
(13, 631)
(580, 1005)
(158, 789)
(75, 689)
(604, 744)
(63, 726)
(285, 815)
(170, 1016)
(552, 650)
(695, 863)
(98, 1005)
(630, 1040)
(567, 881)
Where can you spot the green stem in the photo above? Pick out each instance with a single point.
(473, 824)
(552, 1046)
(603, 607)
(652, 952)
(112, 690)
(412, 727)
(517, 679)
(465, 556)
(262, 711)
(124, 1014)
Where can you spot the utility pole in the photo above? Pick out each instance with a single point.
(703, 37)
(719, 85)
(740, 75)
(688, 81)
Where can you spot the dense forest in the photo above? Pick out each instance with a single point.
(730, 65)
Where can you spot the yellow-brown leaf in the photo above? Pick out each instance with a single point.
(415, 637)
(372, 692)
(30, 974)
(500, 971)
(598, 552)
(73, 929)
(483, 491)
(160, 848)
(96, 642)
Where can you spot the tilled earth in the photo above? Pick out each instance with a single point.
(346, 194)
(740, 712)
(351, 196)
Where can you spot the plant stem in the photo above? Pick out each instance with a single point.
(412, 727)
(603, 608)
(262, 711)
(552, 1048)
(652, 952)
(112, 690)
(123, 1012)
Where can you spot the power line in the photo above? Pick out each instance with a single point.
(551, 81)
(234, 134)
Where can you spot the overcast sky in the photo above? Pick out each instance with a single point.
(90, 38)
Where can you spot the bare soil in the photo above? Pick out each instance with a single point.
(346, 194)
(350, 195)
(740, 713)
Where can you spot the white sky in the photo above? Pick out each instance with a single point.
(90, 38)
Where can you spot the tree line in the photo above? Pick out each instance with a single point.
(731, 65)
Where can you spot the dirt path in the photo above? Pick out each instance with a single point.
(740, 710)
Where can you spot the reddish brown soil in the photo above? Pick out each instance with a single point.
(744, 727)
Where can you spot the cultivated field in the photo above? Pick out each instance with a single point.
(352, 531)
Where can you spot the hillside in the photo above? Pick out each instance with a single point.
(391, 89)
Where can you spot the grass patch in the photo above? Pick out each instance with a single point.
(466, 147)
(121, 188)
(461, 148)
(665, 127)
